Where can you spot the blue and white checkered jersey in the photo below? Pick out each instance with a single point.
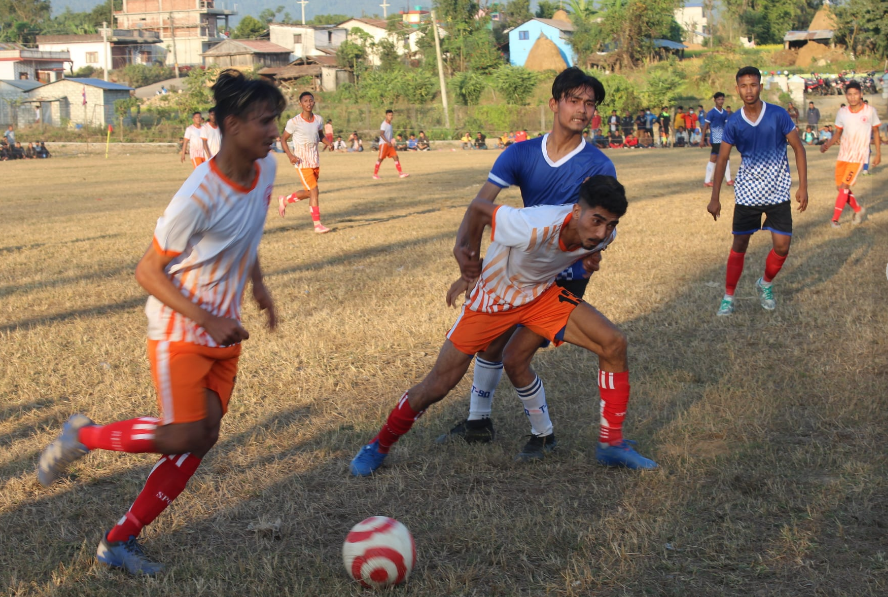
(543, 182)
(763, 177)
(717, 120)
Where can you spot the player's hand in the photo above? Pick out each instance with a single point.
(592, 263)
(469, 264)
(224, 331)
(824, 147)
(802, 198)
(182, 157)
(460, 287)
(714, 208)
(265, 302)
(877, 159)
(294, 160)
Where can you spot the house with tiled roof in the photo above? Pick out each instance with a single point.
(246, 54)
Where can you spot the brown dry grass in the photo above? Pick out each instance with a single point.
(769, 428)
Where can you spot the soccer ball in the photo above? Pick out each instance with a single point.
(379, 552)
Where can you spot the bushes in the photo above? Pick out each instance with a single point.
(515, 84)
(467, 86)
(139, 75)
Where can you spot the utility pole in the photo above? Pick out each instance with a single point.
(384, 7)
(303, 3)
(173, 39)
(105, 48)
(440, 71)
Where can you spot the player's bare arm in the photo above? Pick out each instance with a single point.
(262, 296)
(721, 164)
(182, 153)
(322, 138)
(705, 130)
(468, 239)
(877, 159)
(285, 138)
(802, 166)
(832, 141)
(151, 275)
(206, 147)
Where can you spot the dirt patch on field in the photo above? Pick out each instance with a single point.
(785, 57)
(810, 53)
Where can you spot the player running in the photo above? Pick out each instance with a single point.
(203, 253)
(760, 131)
(194, 141)
(715, 124)
(516, 286)
(387, 146)
(855, 125)
(210, 135)
(307, 130)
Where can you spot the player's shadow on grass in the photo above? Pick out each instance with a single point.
(86, 312)
(11, 289)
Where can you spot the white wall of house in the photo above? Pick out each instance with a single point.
(405, 41)
(693, 21)
(82, 54)
(303, 41)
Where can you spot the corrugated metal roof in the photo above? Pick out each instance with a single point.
(263, 47)
(666, 43)
(808, 35)
(99, 83)
(233, 47)
(23, 84)
(560, 25)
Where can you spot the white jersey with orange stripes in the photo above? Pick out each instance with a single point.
(212, 229)
(525, 256)
(857, 132)
(305, 139)
(213, 136)
(195, 143)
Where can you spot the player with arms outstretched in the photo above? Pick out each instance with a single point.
(387, 146)
(715, 125)
(205, 249)
(856, 124)
(516, 286)
(192, 138)
(307, 130)
(760, 131)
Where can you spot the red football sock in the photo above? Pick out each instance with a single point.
(852, 201)
(772, 266)
(614, 389)
(376, 169)
(398, 166)
(735, 269)
(166, 481)
(316, 214)
(135, 436)
(841, 200)
(399, 422)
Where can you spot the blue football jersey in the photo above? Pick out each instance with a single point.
(543, 182)
(717, 121)
(763, 177)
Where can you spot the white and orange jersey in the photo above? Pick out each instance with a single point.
(195, 143)
(305, 139)
(525, 257)
(213, 136)
(857, 131)
(387, 133)
(212, 229)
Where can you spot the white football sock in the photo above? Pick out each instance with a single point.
(728, 171)
(535, 407)
(487, 377)
(710, 170)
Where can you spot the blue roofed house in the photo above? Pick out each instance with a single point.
(523, 37)
(79, 101)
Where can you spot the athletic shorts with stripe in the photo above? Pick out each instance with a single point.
(546, 315)
(387, 151)
(182, 371)
(846, 173)
(197, 161)
(309, 177)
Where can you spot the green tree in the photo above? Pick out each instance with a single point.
(863, 26)
(349, 54)
(630, 26)
(453, 12)
(582, 9)
(546, 8)
(467, 86)
(516, 12)
(333, 19)
(514, 83)
(268, 15)
(389, 59)
(22, 20)
(249, 28)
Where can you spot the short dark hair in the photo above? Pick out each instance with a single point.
(852, 84)
(604, 191)
(196, 113)
(718, 94)
(389, 111)
(236, 95)
(304, 93)
(574, 78)
(211, 110)
(749, 71)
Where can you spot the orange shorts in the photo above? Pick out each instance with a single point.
(197, 161)
(309, 177)
(546, 315)
(182, 371)
(387, 151)
(846, 173)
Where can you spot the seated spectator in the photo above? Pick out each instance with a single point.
(339, 144)
(696, 137)
(631, 141)
(30, 154)
(808, 138)
(4, 150)
(511, 139)
(411, 143)
(825, 135)
(501, 141)
(646, 140)
(586, 136)
(480, 141)
(600, 140)
(681, 137)
(400, 143)
(615, 140)
(41, 150)
(17, 152)
(422, 143)
(467, 141)
(354, 142)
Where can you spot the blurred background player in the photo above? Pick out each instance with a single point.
(192, 140)
(856, 124)
(204, 250)
(306, 130)
(760, 131)
(387, 146)
(210, 135)
(715, 124)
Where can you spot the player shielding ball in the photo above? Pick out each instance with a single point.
(516, 286)
(205, 249)
(192, 138)
(856, 124)
(760, 131)
(715, 125)
(307, 130)
(387, 146)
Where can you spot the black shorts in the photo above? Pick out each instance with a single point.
(716, 147)
(576, 287)
(778, 218)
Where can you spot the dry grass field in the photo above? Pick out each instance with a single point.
(770, 428)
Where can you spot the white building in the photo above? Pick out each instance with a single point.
(18, 62)
(126, 46)
(404, 39)
(693, 21)
(307, 40)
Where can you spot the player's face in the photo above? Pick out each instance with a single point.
(255, 132)
(197, 119)
(749, 87)
(719, 102)
(212, 118)
(853, 96)
(388, 117)
(594, 224)
(574, 111)
(307, 103)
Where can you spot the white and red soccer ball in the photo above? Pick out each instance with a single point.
(379, 552)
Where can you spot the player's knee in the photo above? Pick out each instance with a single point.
(515, 363)
(615, 346)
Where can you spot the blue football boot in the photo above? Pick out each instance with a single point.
(367, 460)
(623, 454)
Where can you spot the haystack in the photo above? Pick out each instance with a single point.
(823, 19)
(561, 15)
(810, 52)
(545, 55)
